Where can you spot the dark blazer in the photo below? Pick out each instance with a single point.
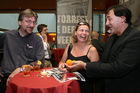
(120, 63)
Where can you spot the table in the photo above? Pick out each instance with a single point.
(58, 53)
(37, 84)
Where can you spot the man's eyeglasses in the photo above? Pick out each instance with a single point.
(31, 22)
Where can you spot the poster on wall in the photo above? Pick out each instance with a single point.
(69, 13)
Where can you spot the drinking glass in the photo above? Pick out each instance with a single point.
(26, 70)
(36, 67)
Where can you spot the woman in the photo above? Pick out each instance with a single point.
(81, 49)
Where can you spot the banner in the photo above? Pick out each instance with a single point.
(69, 13)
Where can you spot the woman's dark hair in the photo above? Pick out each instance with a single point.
(120, 10)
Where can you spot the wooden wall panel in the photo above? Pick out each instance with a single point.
(100, 5)
(103, 5)
(39, 4)
(111, 2)
(23, 4)
(9, 4)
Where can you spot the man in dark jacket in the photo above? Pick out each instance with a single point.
(120, 62)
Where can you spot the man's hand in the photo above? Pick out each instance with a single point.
(76, 65)
(44, 37)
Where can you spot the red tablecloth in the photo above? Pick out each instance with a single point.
(36, 84)
(58, 53)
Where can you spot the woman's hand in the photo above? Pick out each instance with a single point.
(62, 67)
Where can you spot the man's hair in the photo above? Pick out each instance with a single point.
(27, 13)
(40, 27)
(120, 10)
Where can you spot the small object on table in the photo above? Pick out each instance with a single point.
(44, 72)
(26, 70)
(36, 66)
